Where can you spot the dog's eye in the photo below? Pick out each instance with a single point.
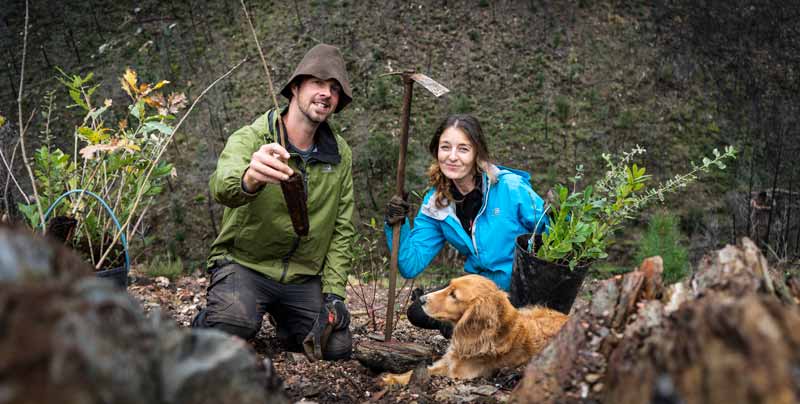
(452, 294)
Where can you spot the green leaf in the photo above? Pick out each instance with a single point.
(154, 190)
(97, 112)
(2, 120)
(76, 96)
(85, 132)
(135, 109)
(31, 213)
(162, 170)
(157, 126)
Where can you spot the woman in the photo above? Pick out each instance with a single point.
(476, 206)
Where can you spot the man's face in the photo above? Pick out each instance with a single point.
(316, 98)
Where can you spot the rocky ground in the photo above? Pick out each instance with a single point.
(331, 382)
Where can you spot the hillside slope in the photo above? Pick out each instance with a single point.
(554, 83)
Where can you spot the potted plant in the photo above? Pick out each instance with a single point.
(549, 268)
(114, 167)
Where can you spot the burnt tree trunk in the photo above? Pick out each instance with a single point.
(730, 335)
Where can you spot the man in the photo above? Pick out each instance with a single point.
(258, 263)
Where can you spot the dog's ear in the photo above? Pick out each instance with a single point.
(476, 331)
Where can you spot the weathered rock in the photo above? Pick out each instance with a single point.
(729, 336)
(25, 258)
(65, 338)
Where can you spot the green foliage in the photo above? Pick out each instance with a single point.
(380, 94)
(563, 109)
(461, 104)
(582, 220)
(366, 257)
(114, 159)
(166, 266)
(556, 39)
(625, 120)
(663, 237)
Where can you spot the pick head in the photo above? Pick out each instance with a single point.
(430, 84)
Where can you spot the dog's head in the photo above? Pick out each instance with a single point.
(476, 306)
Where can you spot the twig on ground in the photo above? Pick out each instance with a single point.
(140, 191)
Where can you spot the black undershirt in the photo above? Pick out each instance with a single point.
(467, 206)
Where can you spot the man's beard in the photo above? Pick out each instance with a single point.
(311, 116)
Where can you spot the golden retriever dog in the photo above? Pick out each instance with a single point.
(489, 332)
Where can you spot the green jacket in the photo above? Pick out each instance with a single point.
(256, 228)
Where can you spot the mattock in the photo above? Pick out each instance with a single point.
(409, 77)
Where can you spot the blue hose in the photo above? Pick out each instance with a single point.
(123, 239)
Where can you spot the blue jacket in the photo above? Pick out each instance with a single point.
(510, 208)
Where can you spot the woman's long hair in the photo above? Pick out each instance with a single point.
(472, 128)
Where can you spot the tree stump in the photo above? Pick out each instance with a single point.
(730, 334)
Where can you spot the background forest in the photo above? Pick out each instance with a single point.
(554, 83)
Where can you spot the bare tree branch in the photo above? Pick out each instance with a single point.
(22, 128)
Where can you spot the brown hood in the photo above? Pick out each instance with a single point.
(323, 62)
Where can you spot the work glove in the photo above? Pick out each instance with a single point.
(396, 210)
(332, 316)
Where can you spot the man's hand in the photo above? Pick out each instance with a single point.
(332, 316)
(267, 166)
(341, 316)
(396, 210)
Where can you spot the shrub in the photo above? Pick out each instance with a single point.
(461, 104)
(166, 266)
(583, 220)
(664, 238)
(118, 160)
(380, 94)
(563, 109)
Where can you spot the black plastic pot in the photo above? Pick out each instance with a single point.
(543, 283)
(63, 226)
(117, 275)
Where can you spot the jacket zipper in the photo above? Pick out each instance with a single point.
(483, 207)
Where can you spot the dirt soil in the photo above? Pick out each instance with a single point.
(331, 382)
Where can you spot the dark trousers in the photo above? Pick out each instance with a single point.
(418, 318)
(238, 298)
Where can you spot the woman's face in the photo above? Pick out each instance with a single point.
(456, 154)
